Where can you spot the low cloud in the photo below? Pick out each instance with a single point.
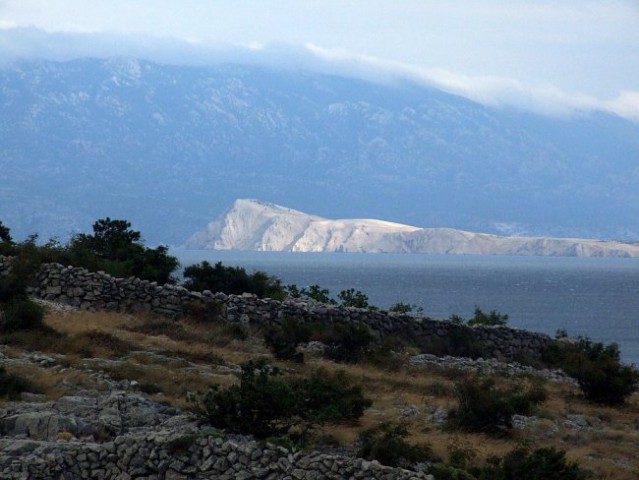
(545, 99)
(19, 43)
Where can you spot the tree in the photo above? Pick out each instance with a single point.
(117, 249)
(6, 242)
(111, 240)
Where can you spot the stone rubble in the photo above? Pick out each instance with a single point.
(488, 366)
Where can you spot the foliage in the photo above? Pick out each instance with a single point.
(482, 407)
(406, 308)
(389, 353)
(6, 242)
(232, 280)
(12, 385)
(541, 464)
(211, 312)
(346, 343)
(480, 318)
(460, 341)
(284, 339)
(597, 368)
(118, 250)
(20, 314)
(113, 248)
(313, 292)
(353, 298)
(546, 463)
(386, 443)
(264, 405)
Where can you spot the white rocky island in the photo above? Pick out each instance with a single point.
(260, 226)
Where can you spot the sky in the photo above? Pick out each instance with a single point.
(550, 56)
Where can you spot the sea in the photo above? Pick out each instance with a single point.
(593, 297)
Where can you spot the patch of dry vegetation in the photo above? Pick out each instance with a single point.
(173, 360)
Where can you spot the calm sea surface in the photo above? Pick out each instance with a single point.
(597, 297)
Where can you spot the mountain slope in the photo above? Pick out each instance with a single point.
(163, 146)
(255, 225)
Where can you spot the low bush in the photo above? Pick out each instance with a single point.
(232, 280)
(389, 353)
(347, 343)
(491, 319)
(482, 407)
(540, 464)
(283, 339)
(387, 444)
(11, 386)
(406, 308)
(352, 298)
(265, 405)
(597, 368)
(546, 463)
(20, 314)
(459, 342)
(210, 312)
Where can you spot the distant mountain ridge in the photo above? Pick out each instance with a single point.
(165, 146)
(256, 225)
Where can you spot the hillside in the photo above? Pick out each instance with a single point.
(122, 382)
(255, 225)
(168, 147)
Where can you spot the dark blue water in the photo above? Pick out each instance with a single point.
(596, 297)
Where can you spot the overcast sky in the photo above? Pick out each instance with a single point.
(540, 54)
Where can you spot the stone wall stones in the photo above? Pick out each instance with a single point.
(91, 290)
(158, 443)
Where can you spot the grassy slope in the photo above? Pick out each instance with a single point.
(171, 359)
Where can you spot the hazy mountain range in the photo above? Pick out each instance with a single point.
(255, 225)
(169, 147)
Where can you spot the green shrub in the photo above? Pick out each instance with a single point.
(491, 319)
(459, 342)
(313, 292)
(406, 308)
(541, 464)
(389, 353)
(597, 368)
(347, 343)
(11, 386)
(283, 339)
(482, 407)
(386, 443)
(264, 405)
(20, 314)
(232, 280)
(211, 312)
(353, 298)
(520, 464)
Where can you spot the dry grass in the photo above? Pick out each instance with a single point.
(170, 360)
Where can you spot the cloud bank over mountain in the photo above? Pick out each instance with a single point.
(544, 98)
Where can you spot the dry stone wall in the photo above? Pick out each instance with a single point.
(123, 436)
(91, 290)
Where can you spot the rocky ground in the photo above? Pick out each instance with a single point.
(114, 406)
